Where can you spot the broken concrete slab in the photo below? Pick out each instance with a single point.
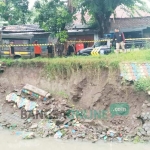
(36, 92)
(34, 126)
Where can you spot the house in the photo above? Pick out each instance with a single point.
(137, 27)
(24, 34)
(134, 26)
(33, 32)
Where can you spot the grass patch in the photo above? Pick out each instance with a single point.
(142, 84)
(64, 67)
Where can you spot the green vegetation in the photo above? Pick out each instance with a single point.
(142, 84)
(15, 11)
(54, 16)
(65, 67)
(101, 10)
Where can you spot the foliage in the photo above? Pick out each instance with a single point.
(101, 10)
(142, 84)
(54, 16)
(68, 66)
(15, 11)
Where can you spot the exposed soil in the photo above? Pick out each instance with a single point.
(83, 91)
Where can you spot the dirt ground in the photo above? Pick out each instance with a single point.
(83, 91)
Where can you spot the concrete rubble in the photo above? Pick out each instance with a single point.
(2, 67)
(48, 116)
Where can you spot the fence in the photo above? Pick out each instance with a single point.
(27, 50)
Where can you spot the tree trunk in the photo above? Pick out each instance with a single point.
(103, 24)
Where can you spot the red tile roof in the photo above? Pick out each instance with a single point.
(120, 13)
(132, 24)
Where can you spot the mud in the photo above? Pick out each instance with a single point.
(82, 91)
(13, 142)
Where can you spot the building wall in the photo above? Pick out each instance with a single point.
(42, 39)
(82, 38)
(146, 33)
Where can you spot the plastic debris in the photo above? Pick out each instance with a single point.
(12, 98)
(73, 131)
(119, 139)
(105, 137)
(58, 135)
(21, 102)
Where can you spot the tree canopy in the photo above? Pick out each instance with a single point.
(15, 11)
(101, 10)
(54, 16)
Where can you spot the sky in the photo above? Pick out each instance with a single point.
(31, 3)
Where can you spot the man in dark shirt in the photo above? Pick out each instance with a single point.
(85, 44)
(12, 49)
(120, 40)
(50, 49)
(71, 49)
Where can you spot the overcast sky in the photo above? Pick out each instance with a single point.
(31, 3)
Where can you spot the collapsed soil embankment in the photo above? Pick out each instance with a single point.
(84, 91)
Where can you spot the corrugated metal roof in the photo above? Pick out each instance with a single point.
(22, 28)
(17, 36)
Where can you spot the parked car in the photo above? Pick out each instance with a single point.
(104, 47)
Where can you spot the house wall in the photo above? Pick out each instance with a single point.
(42, 39)
(136, 34)
(83, 38)
(146, 33)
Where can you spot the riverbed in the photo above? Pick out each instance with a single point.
(15, 142)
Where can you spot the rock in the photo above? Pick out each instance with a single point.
(143, 132)
(59, 122)
(139, 133)
(30, 135)
(34, 126)
(148, 133)
(148, 104)
(101, 135)
(52, 99)
(46, 133)
(95, 140)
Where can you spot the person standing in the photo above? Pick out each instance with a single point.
(37, 49)
(85, 44)
(120, 40)
(50, 50)
(79, 46)
(70, 50)
(60, 49)
(12, 49)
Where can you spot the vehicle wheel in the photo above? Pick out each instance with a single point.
(85, 54)
(17, 56)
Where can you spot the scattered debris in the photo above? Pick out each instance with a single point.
(21, 102)
(36, 92)
(2, 67)
(29, 135)
(55, 120)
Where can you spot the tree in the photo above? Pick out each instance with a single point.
(15, 11)
(101, 10)
(53, 16)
